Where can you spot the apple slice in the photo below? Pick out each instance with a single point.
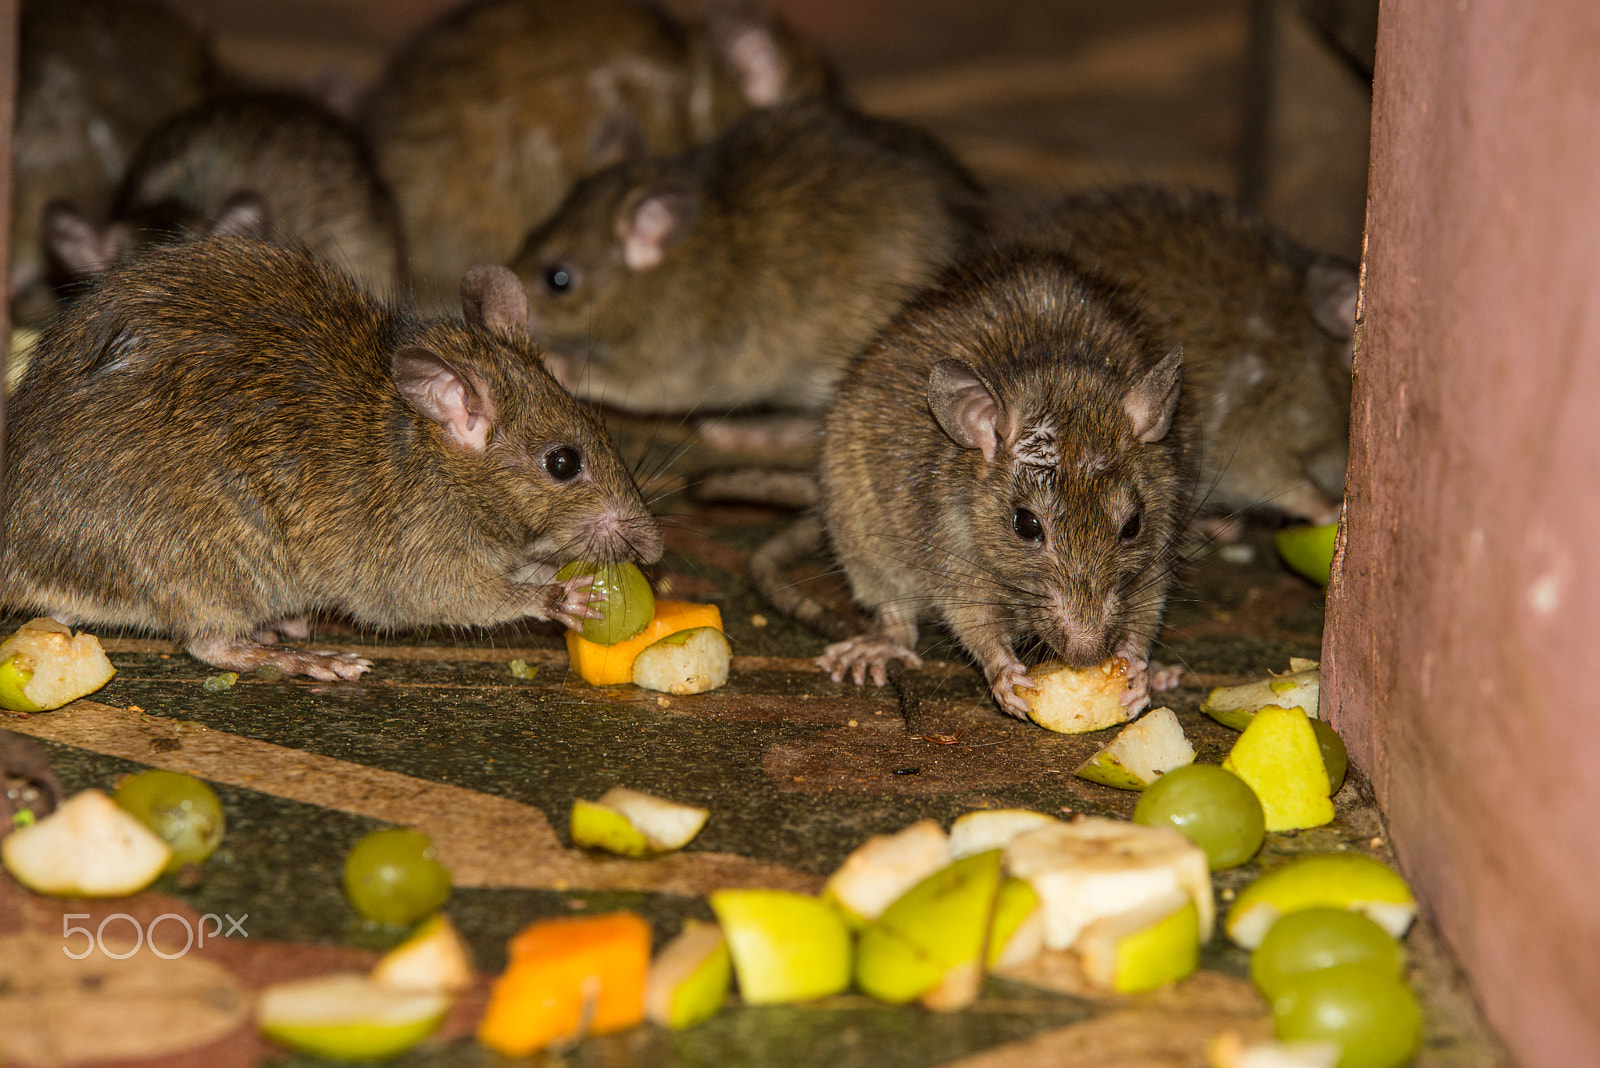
(992, 828)
(1337, 880)
(884, 867)
(1235, 706)
(1308, 550)
(1095, 867)
(44, 666)
(930, 942)
(608, 665)
(434, 958)
(1017, 934)
(1280, 758)
(1072, 700)
(89, 847)
(686, 662)
(690, 978)
(1141, 753)
(1150, 946)
(1230, 1051)
(635, 824)
(348, 1017)
(786, 947)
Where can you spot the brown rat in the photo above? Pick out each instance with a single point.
(263, 164)
(93, 78)
(747, 271)
(225, 435)
(1266, 327)
(1012, 456)
(483, 122)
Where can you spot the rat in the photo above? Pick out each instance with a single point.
(93, 78)
(224, 436)
(749, 270)
(485, 119)
(261, 164)
(1266, 327)
(1013, 456)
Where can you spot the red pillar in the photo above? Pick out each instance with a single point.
(1463, 636)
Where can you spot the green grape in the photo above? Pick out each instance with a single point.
(1322, 937)
(629, 604)
(391, 876)
(1334, 757)
(180, 808)
(1372, 1016)
(1211, 806)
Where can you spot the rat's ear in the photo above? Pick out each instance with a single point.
(78, 244)
(658, 219)
(1153, 399)
(458, 400)
(965, 407)
(244, 215)
(492, 296)
(1331, 290)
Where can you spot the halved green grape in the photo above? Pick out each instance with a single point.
(391, 876)
(1317, 938)
(1370, 1014)
(1334, 756)
(1211, 806)
(628, 606)
(180, 808)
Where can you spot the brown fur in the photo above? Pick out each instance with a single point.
(219, 436)
(487, 118)
(787, 243)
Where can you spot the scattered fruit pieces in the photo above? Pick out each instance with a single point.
(1321, 937)
(89, 847)
(1281, 759)
(1368, 1013)
(634, 824)
(1229, 1051)
(44, 666)
(1308, 550)
(930, 942)
(628, 600)
(348, 1017)
(885, 866)
(992, 828)
(1073, 700)
(391, 876)
(690, 978)
(568, 978)
(183, 811)
(434, 958)
(1095, 867)
(786, 947)
(1150, 946)
(1210, 806)
(1016, 935)
(1235, 706)
(1339, 880)
(689, 661)
(1146, 749)
(220, 682)
(1334, 756)
(608, 665)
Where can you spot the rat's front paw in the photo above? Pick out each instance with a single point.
(1164, 677)
(1136, 698)
(1004, 687)
(863, 653)
(569, 602)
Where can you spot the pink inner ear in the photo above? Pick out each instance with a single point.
(644, 240)
(458, 401)
(964, 407)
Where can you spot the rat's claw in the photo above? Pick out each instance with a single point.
(863, 654)
(1136, 698)
(1003, 687)
(571, 601)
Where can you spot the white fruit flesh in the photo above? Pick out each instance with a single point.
(348, 1016)
(1077, 700)
(89, 846)
(886, 866)
(1095, 867)
(690, 978)
(977, 832)
(1298, 688)
(52, 667)
(687, 662)
(1146, 749)
(666, 825)
(434, 958)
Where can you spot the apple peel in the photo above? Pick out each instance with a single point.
(1141, 753)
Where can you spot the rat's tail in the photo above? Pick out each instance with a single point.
(801, 538)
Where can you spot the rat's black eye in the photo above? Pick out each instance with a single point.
(1130, 529)
(1027, 525)
(558, 279)
(563, 462)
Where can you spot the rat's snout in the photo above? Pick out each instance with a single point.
(1077, 624)
(625, 530)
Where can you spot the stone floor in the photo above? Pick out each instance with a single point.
(795, 769)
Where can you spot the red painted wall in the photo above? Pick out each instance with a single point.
(1464, 621)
